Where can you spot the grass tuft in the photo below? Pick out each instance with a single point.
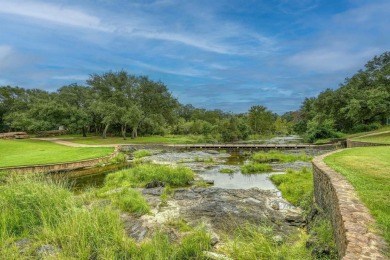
(277, 156)
(255, 168)
(141, 153)
(226, 170)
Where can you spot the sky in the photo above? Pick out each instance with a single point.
(220, 54)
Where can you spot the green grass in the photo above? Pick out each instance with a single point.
(168, 139)
(367, 169)
(277, 156)
(130, 200)
(140, 175)
(296, 186)
(383, 138)
(256, 242)
(48, 213)
(252, 168)
(141, 153)
(382, 129)
(226, 170)
(29, 152)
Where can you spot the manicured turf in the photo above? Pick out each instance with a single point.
(29, 152)
(367, 169)
(169, 139)
(379, 138)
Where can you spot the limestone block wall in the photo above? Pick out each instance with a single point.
(350, 219)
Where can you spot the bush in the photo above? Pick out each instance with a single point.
(226, 170)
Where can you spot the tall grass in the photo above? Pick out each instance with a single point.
(129, 200)
(296, 186)
(141, 153)
(277, 156)
(257, 242)
(142, 174)
(29, 204)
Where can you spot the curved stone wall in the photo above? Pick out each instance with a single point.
(351, 220)
(41, 168)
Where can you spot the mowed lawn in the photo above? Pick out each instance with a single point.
(169, 139)
(383, 138)
(368, 170)
(29, 152)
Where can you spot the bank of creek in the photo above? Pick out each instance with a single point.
(219, 201)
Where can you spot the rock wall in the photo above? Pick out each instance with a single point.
(351, 220)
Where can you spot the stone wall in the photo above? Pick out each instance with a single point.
(351, 220)
(352, 144)
(43, 168)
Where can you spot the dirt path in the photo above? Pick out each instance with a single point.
(68, 143)
(384, 132)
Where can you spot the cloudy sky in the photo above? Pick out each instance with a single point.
(226, 54)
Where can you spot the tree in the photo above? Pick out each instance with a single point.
(260, 119)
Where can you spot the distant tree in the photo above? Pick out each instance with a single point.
(260, 119)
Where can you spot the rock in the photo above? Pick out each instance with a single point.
(46, 250)
(275, 205)
(155, 184)
(211, 152)
(24, 244)
(134, 227)
(214, 241)
(153, 191)
(295, 218)
(278, 239)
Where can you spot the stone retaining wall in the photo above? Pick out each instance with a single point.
(54, 167)
(352, 144)
(351, 220)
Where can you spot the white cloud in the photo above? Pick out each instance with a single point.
(181, 72)
(71, 77)
(52, 13)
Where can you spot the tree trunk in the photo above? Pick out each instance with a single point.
(134, 133)
(123, 130)
(84, 132)
(105, 131)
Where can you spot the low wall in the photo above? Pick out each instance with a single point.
(353, 143)
(350, 219)
(54, 167)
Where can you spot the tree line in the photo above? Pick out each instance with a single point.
(118, 103)
(361, 103)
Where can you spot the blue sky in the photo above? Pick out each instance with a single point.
(225, 54)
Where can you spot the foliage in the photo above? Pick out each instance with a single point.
(251, 168)
(296, 186)
(29, 152)
(119, 158)
(144, 173)
(361, 102)
(370, 178)
(275, 155)
(260, 119)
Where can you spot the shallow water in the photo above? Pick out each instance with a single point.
(237, 180)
